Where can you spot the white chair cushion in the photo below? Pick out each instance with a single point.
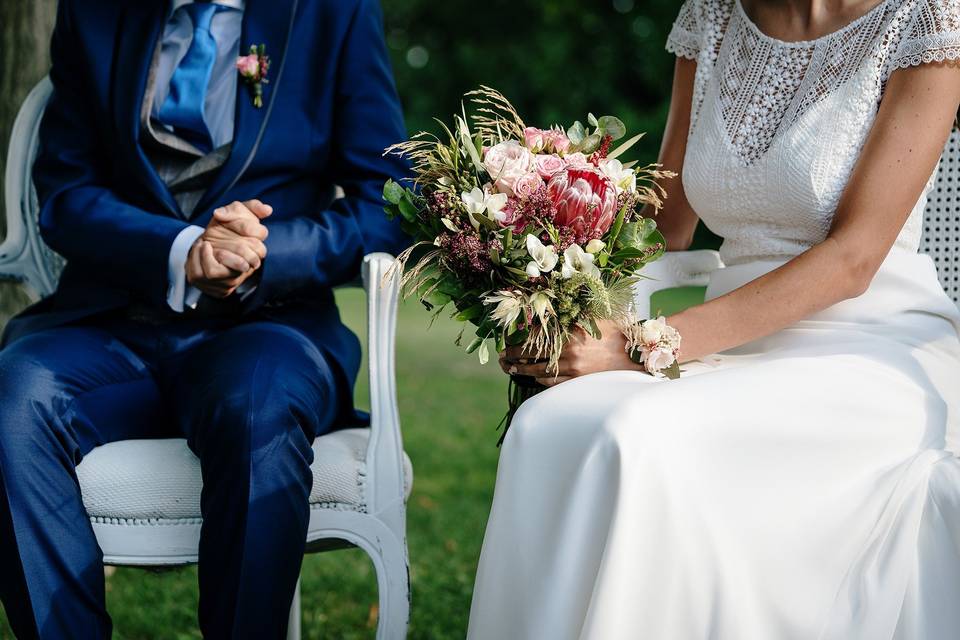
(160, 479)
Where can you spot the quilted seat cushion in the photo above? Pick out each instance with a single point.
(160, 479)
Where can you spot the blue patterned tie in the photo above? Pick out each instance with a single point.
(183, 108)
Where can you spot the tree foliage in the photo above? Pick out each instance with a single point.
(555, 59)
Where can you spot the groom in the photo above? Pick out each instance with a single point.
(202, 241)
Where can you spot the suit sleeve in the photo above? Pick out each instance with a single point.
(324, 248)
(81, 217)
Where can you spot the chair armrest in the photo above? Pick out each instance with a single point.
(385, 478)
(674, 269)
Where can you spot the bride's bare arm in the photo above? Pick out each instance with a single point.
(677, 220)
(900, 153)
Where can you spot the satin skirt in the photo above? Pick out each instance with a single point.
(804, 486)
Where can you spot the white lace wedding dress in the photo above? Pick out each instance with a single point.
(803, 486)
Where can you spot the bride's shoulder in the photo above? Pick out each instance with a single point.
(700, 27)
(923, 31)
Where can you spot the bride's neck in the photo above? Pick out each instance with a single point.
(806, 19)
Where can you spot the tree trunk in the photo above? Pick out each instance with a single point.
(25, 27)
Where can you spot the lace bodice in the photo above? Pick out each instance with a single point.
(777, 127)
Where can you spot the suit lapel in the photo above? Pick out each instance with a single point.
(140, 27)
(267, 22)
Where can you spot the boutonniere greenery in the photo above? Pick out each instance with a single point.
(253, 68)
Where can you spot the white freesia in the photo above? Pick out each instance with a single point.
(544, 257)
(576, 260)
(509, 307)
(624, 179)
(596, 246)
(479, 202)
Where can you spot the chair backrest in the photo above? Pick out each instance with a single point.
(23, 255)
(941, 224)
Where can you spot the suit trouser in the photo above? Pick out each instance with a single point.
(248, 398)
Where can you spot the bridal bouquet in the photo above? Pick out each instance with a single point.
(531, 234)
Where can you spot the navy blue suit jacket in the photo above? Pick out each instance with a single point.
(329, 111)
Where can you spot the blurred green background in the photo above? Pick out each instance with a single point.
(557, 60)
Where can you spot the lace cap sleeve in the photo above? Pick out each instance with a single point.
(931, 33)
(686, 37)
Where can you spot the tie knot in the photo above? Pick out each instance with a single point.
(201, 13)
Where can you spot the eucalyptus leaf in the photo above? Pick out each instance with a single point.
(393, 192)
(612, 126)
(576, 133)
(591, 143)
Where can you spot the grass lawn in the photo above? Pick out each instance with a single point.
(449, 407)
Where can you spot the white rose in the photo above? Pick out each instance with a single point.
(653, 330)
(656, 360)
(506, 163)
(576, 260)
(544, 257)
(670, 338)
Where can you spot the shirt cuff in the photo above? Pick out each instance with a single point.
(245, 289)
(179, 293)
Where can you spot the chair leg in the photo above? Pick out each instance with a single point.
(394, 585)
(293, 625)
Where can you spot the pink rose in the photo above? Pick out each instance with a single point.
(534, 139)
(577, 160)
(506, 163)
(586, 202)
(249, 66)
(547, 165)
(556, 140)
(527, 185)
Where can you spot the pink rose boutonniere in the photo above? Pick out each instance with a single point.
(253, 68)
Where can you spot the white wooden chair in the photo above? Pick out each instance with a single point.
(143, 496)
(941, 239)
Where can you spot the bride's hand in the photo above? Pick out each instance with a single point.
(581, 355)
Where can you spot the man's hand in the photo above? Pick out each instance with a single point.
(231, 250)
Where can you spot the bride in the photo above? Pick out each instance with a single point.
(803, 482)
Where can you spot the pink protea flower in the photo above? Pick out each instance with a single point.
(586, 202)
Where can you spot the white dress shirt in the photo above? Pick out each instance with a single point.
(218, 115)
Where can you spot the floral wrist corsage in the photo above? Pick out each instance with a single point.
(655, 345)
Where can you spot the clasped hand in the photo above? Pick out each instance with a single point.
(231, 249)
(582, 354)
